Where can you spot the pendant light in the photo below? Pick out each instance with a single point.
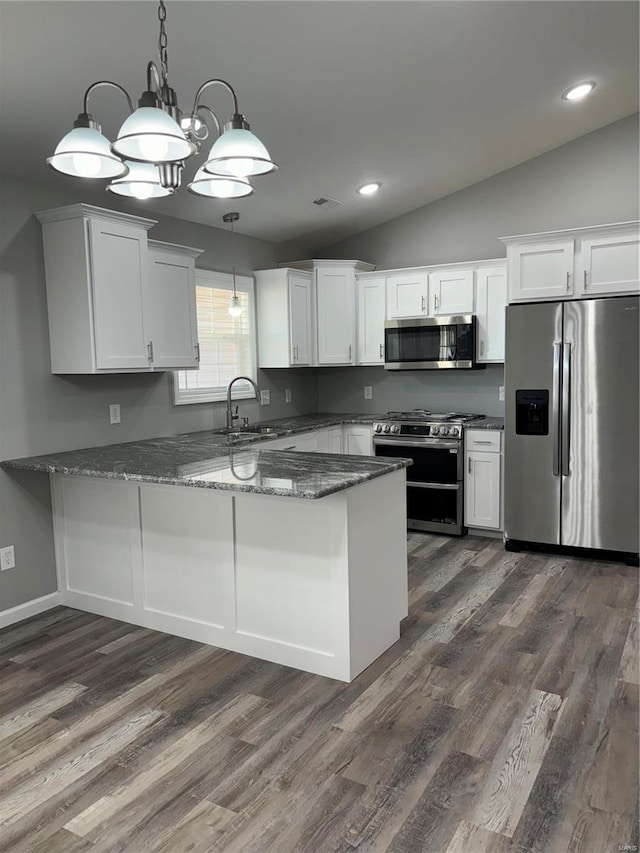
(235, 306)
(159, 139)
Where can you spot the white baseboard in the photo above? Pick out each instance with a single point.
(28, 609)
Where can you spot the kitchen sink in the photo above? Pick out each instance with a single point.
(249, 430)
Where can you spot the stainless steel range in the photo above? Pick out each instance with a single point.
(435, 481)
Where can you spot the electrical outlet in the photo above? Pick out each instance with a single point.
(368, 392)
(114, 413)
(265, 398)
(287, 395)
(7, 558)
(501, 393)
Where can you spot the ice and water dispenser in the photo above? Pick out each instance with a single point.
(532, 412)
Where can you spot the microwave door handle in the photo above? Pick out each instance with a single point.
(566, 407)
(555, 409)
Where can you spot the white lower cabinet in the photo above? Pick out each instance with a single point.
(358, 440)
(482, 479)
(306, 442)
(334, 440)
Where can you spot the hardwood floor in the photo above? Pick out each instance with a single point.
(505, 719)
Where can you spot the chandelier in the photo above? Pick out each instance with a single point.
(148, 156)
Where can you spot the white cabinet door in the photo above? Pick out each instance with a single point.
(170, 310)
(482, 490)
(491, 302)
(306, 441)
(371, 316)
(539, 271)
(358, 441)
(119, 267)
(335, 300)
(334, 436)
(407, 294)
(300, 319)
(451, 292)
(609, 265)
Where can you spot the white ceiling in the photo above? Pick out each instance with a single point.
(427, 97)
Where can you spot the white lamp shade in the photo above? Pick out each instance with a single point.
(217, 186)
(85, 153)
(235, 307)
(142, 182)
(239, 153)
(151, 135)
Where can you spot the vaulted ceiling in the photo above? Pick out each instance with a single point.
(426, 97)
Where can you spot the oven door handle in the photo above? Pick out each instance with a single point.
(449, 486)
(445, 444)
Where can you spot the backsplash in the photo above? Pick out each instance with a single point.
(342, 390)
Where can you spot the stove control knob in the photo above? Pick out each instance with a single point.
(435, 430)
(453, 430)
(376, 427)
(395, 428)
(387, 428)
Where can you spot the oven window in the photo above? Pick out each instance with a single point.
(429, 343)
(430, 464)
(436, 505)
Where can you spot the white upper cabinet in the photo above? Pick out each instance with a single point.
(284, 301)
(114, 305)
(541, 271)
(118, 272)
(371, 317)
(170, 318)
(407, 294)
(602, 260)
(491, 303)
(451, 292)
(610, 264)
(335, 311)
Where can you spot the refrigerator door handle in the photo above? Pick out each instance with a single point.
(566, 406)
(555, 409)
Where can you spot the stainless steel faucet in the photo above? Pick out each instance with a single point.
(230, 416)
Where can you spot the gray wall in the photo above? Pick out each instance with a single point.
(41, 413)
(590, 181)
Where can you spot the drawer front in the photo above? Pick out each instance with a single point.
(487, 440)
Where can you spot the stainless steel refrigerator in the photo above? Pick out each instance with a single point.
(571, 425)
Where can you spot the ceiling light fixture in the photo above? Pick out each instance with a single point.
(235, 306)
(369, 189)
(578, 92)
(148, 156)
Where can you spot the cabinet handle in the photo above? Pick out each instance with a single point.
(291, 447)
(198, 351)
(381, 352)
(481, 348)
(585, 280)
(349, 352)
(435, 303)
(469, 464)
(295, 352)
(150, 350)
(568, 282)
(423, 303)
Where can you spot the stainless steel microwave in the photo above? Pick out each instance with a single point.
(421, 343)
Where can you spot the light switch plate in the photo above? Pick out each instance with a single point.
(114, 413)
(501, 393)
(368, 392)
(265, 398)
(287, 395)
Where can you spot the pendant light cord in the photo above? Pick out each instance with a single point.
(162, 43)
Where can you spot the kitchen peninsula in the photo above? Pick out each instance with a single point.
(296, 558)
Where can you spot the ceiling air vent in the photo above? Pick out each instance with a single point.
(326, 203)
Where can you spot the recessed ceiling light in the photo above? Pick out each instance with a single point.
(577, 93)
(369, 189)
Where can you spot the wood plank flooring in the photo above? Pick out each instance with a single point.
(505, 720)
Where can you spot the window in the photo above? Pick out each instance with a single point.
(227, 344)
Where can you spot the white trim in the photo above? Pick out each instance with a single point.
(585, 231)
(224, 281)
(74, 211)
(28, 609)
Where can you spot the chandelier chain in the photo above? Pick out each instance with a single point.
(162, 43)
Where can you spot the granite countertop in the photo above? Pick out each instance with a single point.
(486, 423)
(205, 460)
